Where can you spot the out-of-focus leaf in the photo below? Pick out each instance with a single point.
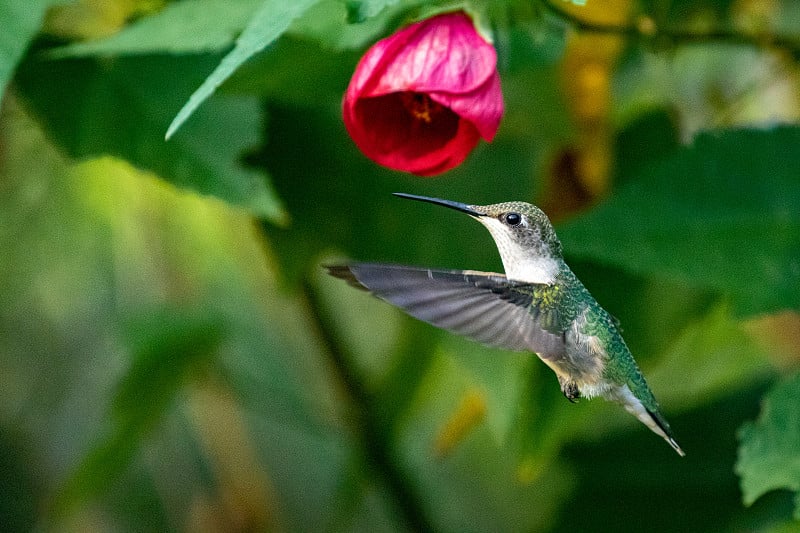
(326, 23)
(715, 86)
(710, 358)
(779, 336)
(480, 476)
(274, 74)
(19, 22)
(769, 452)
(184, 27)
(499, 376)
(89, 252)
(368, 328)
(120, 108)
(723, 213)
(268, 23)
(166, 348)
(668, 493)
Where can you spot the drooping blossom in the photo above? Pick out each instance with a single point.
(421, 99)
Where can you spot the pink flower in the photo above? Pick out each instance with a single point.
(420, 99)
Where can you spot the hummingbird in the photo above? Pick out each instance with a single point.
(538, 305)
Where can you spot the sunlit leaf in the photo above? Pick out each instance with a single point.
(181, 27)
(93, 19)
(268, 23)
(124, 106)
(723, 213)
(769, 452)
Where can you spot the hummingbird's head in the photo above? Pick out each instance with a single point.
(525, 238)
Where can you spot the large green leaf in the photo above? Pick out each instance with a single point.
(710, 358)
(267, 24)
(121, 107)
(723, 213)
(190, 26)
(769, 454)
(20, 21)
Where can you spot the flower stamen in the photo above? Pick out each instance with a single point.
(421, 106)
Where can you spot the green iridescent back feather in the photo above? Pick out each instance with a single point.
(558, 305)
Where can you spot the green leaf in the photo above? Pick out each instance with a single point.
(181, 27)
(20, 21)
(268, 24)
(120, 108)
(166, 346)
(723, 213)
(769, 454)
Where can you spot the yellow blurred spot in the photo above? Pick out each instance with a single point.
(92, 19)
(646, 26)
(779, 334)
(580, 173)
(244, 499)
(470, 412)
(592, 90)
(755, 16)
(529, 470)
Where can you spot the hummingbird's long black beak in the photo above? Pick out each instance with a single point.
(458, 206)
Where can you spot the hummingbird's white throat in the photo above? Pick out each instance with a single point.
(519, 263)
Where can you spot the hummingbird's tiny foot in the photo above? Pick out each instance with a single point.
(571, 391)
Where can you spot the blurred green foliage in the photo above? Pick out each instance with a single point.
(172, 356)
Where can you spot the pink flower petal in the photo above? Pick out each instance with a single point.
(420, 99)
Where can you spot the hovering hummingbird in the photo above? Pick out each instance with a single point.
(539, 305)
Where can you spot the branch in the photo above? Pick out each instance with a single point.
(646, 29)
(369, 425)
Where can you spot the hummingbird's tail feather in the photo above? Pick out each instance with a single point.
(650, 418)
(666, 432)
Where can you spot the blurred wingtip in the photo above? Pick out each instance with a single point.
(344, 272)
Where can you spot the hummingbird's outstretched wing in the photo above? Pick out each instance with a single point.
(486, 307)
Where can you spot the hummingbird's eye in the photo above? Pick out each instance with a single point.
(513, 219)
